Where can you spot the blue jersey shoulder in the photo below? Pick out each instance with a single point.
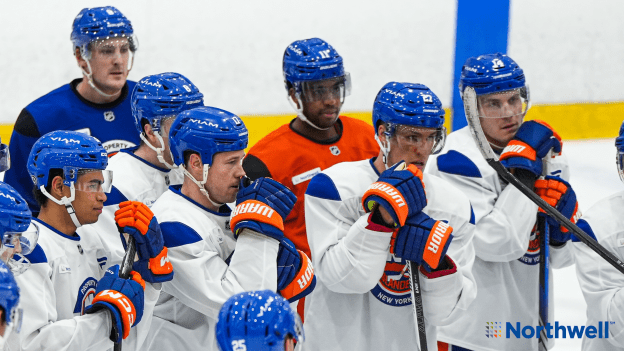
(454, 162)
(323, 187)
(178, 234)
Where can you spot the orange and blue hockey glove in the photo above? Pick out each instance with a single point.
(529, 146)
(560, 195)
(295, 274)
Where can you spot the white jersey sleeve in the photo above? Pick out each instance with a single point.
(603, 285)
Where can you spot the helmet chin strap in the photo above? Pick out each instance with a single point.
(67, 202)
(201, 184)
(158, 150)
(302, 117)
(384, 149)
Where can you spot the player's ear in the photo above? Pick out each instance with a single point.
(381, 132)
(79, 59)
(195, 162)
(56, 188)
(293, 97)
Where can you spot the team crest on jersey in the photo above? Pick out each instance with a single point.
(109, 116)
(334, 150)
(532, 256)
(86, 292)
(394, 286)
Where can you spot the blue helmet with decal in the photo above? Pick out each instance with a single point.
(9, 297)
(15, 214)
(207, 131)
(310, 60)
(100, 23)
(163, 95)
(491, 73)
(257, 320)
(69, 151)
(5, 157)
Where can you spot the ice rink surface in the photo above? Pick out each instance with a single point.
(593, 176)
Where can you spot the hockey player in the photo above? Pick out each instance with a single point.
(362, 300)
(5, 157)
(602, 285)
(507, 247)
(208, 143)
(144, 173)
(98, 104)
(71, 300)
(258, 320)
(10, 313)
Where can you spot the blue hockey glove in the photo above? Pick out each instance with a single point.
(422, 240)
(399, 190)
(532, 142)
(123, 298)
(295, 274)
(262, 207)
(137, 220)
(560, 195)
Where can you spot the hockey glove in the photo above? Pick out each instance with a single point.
(123, 298)
(532, 142)
(262, 207)
(422, 240)
(137, 220)
(295, 274)
(559, 194)
(399, 190)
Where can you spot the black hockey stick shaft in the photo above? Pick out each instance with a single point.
(417, 304)
(470, 107)
(544, 232)
(126, 268)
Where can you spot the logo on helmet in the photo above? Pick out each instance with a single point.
(196, 121)
(427, 98)
(8, 197)
(67, 141)
(397, 94)
(498, 64)
(153, 84)
(293, 48)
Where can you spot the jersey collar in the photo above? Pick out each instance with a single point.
(223, 210)
(74, 238)
(130, 151)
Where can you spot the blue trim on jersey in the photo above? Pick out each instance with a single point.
(323, 187)
(372, 163)
(454, 162)
(472, 216)
(36, 256)
(74, 238)
(177, 234)
(224, 210)
(586, 228)
(130, 151)
(115, 197)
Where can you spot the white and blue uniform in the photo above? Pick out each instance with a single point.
(59, 285)
(506, 266)
(362, 300)
(603, 285)
(207, 271)
(134, 179)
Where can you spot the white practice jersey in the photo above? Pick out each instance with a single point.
(603, 285)
(507, 248)
(362, 300)
(59, 285)
(207, 271)
(134, 179)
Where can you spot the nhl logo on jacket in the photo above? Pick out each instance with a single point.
(109, 116)
(334, 150)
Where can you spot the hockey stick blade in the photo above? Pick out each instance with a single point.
(126, 268)
(470, 107)
(418, 305)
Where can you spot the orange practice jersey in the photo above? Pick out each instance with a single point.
(293, 160)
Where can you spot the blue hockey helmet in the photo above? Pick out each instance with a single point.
(257, 320)
(69, 151)
(207, 131)
(491, 73)
(100, 23)
(408, 104)
(9, 298)
(16, 227)
(619, 145)
(163, 95)
(5, 157)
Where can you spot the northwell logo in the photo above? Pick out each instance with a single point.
(556, 331)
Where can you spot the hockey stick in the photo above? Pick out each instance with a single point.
(544, 231)
(470, 107)
(126, 268)
(418, 305)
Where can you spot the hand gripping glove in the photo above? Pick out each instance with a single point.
(123, 298)
(399, 190)
(295, 274)
(262, 207)
(136, 219)
(422, 240)
(559, 194)
(532, 142)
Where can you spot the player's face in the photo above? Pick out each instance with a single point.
(224, 176)
(109, 64)
(8, 252)
(90, 201)
(322, 103)
(289, 344)
(412, 145)
(502, 116)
